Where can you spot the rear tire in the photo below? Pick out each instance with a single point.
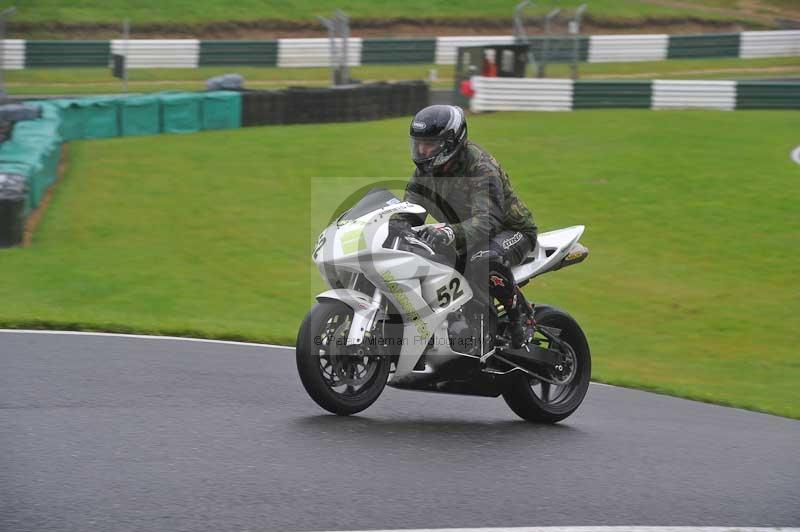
(335, 376)
(540, 402)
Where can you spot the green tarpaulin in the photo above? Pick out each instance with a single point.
(222, 110)
(180, 113)
(34, 152)
(88, 118)
(140, 115)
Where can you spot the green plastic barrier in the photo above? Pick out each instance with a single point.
(37, 162)
(34, 151)
(70, 117)
(88, 118)
(102, 117)
(181, 113)
(222, 110)
(140, 115)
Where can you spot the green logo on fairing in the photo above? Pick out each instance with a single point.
(401, 297)
(353, 241)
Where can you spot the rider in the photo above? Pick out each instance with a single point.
(486, 223)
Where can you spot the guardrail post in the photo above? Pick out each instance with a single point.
(575, 29)
(546, 46)
(521, 34)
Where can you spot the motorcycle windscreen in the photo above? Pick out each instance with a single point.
(373, 200)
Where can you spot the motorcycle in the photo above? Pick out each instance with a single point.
(400, 314)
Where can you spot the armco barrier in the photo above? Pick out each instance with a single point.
(314, 52)
(67, 53)
(13, 54)
(398, 51)
(255, 53)
(770, 43)
(191, 53)
(503, 94)
(767, 95)
(447, 47)
(158, 53)
(617, 48)
(676, 94)
(696, 46)
(612, 94)
(528, 94)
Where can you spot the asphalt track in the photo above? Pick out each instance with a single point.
(111, 433)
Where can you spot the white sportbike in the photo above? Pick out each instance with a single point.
(399, 314)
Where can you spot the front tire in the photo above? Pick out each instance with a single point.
(341, 379)
(540, 402)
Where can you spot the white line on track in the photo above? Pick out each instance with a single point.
(598, 529)
(144, 337)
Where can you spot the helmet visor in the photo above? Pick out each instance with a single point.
(426, 149)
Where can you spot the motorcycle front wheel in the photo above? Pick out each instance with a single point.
(341, 379)
(538, 401)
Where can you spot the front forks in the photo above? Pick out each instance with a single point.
(364, 318)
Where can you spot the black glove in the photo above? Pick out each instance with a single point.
(438, 237)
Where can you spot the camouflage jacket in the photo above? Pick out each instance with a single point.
(475, 198)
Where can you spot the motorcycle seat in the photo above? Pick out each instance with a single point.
(551, 249)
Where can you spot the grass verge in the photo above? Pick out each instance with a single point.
(691, 288)
(99, 80)
(186, 12)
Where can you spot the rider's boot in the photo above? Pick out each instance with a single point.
(508, 293)
(516, 320)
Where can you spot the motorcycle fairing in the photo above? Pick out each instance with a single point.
(551, 248)
(423, 290)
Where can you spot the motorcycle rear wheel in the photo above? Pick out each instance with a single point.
(541, 402)
(341, 379)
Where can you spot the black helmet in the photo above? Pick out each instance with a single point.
(437, 133)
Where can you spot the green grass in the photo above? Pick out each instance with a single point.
(46, 81)
(690, 289)
(186, 11)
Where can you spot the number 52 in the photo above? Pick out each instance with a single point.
(447, 295)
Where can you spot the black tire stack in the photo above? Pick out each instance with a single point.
(263, 108)
(351, 103)
(13, 195)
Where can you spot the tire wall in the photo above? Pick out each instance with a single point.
(354, 103)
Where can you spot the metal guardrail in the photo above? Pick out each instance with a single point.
(530, 94)
(189, 53)
(314, 52)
